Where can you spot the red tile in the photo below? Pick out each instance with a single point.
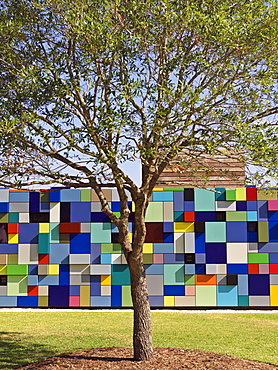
(253, 268)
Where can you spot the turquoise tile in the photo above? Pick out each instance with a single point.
(252, 216)
(174, 274)
(163, 196)
(204, 200)
(100, 232)
(227, 295)
(215, 232)
(44, 240)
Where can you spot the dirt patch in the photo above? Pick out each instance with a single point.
(164, 359)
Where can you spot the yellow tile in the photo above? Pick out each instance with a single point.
(169, 301)
(183, 227)
(270, 194)
(130, 237)
(12, 238)
(84, 295)
(148, 248)
(43, 302)
(273, 295)
(44, 228)
(12, 259)
(105, 279)
(3, 269)
(133, 207)
(158, 189)
(240, 193)
(53, 269)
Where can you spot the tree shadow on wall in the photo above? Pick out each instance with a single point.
(17, 351)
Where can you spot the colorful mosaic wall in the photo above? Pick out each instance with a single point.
(203, 249)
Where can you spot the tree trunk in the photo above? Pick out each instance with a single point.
(142, 335)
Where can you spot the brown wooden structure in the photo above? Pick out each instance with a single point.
(204, 170)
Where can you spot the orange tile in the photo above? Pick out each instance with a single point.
(205, 279)
(253, 268)
(13, 228)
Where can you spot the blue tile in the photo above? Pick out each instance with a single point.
(163, 248)
(154, 269)
(252, 237)
(168, 227)
(99, 217)
(216, 253)
(200, 245)
(8, 301)
(162, 196)
(34, 204)
(70, 195)
(227, 296)
(55, 195)
(258, 284)
(4, 207)
(179, 201)
(268, 247)
(200, 269)
(59, 253)
(98, 301)
(33, 269)
(243, 284)
(19, 197)
(156, 301)
(236, 232)
(273, 232)
(28, 233)
(48, 279)
(189, 206)
(240, 268)
(205, 216)
(64, 275)
(27, 301)
(8, 248)
(74, 290)
(168, 237)
(80, 212)
(95, 254)
(173, 257)
(116, 296)
(262, 210)
(272, 215)
(241, 205)
(174, 290)
(273, 257)
(33, 280)
(95, 287)
(58, 296)
(189, 269)
(116, 206)
(80, 243)
(251, 205)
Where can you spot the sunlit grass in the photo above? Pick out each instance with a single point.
(29, 336)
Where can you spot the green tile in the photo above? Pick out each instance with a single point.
(118, 214)
(154, 212)
(189, 279)
(174, 274)
(44, 196)
(258, 258)
(173, 189)
(126, 296)
(54, 232)
(4, 217)
(110, 248)
(263, 232)
(215, 232)
(148, 258)
(230, 195)
(85, 195)
(17, 286)
(13, 217)
(44, 240)
(205, 295)
(236, 216)
(204, 200)
(17, 270)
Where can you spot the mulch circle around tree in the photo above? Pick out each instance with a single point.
(164, 359)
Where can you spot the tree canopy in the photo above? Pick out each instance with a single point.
(86, 86)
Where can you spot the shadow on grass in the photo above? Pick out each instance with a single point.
(16, 352)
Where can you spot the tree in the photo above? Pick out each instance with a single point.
(88, 85)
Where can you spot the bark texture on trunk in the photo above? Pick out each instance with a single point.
(142, 334)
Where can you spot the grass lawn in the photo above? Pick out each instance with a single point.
(30, 336)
